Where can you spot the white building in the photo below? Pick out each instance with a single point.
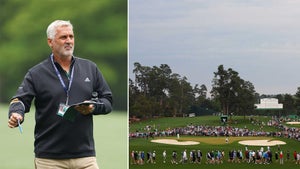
(269, 103)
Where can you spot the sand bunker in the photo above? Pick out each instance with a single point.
(293, 122)
(175, 142)
(262, 142)
(245, 142)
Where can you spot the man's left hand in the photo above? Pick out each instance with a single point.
(85, 109)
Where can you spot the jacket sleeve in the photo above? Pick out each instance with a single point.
(21, 102)
(104, 95)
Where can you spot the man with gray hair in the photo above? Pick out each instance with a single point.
(56, 83)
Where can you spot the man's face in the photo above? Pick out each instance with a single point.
(63, 43)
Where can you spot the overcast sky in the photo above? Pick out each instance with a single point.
(260, 39)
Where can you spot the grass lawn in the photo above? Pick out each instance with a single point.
(206, 144)
(110, 132)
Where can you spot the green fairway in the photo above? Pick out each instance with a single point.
(110, 133)
(207, 143)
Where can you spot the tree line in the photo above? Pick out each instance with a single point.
(157, 91)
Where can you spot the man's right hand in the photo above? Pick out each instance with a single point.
(13, 120)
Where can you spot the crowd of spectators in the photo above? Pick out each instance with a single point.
(205, 130)
(259, 156)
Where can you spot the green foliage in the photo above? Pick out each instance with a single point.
(234, 94)
(156, 91)
(100, 29)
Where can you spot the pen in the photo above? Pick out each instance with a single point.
(20, 127)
